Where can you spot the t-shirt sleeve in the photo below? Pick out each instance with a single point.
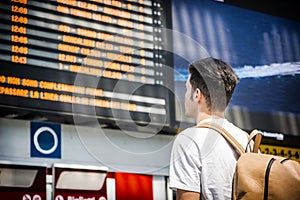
(185, 165)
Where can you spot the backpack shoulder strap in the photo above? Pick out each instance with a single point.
(258, 136)
(232, 141)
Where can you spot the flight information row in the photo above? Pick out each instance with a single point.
(67, 93)
(108, 16)
(105, 73)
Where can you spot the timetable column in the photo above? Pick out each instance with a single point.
(18, 29)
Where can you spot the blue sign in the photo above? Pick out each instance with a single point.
(45, 140)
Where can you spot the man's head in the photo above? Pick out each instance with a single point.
(212, 79)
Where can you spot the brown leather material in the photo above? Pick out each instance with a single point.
(250, 178)
(262, 176)
(258, 136)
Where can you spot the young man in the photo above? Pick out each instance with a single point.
(202, 162)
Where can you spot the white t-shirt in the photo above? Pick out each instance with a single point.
(202, 154)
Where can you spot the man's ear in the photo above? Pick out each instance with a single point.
(198, 95)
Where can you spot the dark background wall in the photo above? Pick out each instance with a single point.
(262, 43)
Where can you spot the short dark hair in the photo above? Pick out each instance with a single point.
(215, 79)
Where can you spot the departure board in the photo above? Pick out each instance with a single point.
(97, 57)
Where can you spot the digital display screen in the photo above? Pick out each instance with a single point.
(99, 58)
(263, 51)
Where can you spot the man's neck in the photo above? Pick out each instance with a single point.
(202, 115)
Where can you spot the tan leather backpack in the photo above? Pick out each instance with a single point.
(261, 176)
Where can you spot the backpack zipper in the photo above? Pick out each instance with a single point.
(267, 178)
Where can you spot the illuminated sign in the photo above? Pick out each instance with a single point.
(288, 152)
(103, 56)
(22, 181)
(79, 182)
(45, 140)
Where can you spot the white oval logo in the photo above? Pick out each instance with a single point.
(36, 142)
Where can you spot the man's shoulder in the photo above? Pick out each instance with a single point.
(192, 133)
(240, 135)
